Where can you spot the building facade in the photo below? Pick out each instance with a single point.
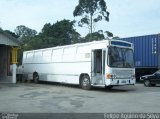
(8, 57)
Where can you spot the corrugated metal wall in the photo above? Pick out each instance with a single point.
(146, 50)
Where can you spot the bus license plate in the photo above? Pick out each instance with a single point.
(123, 81)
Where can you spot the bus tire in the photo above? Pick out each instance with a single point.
(108, 87)
(85, 82)
(147, 83)
(35, 77)
(153, 84)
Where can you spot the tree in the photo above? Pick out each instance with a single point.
(25, 33)
(60, 33)
(99, 35)
(95, 36)
(116, 38)
(109, 34)
(92, 11)
(11, 33)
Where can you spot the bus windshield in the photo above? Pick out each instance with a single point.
(120, 57)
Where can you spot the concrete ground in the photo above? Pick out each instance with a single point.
(52, 98)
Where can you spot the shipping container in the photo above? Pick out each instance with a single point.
(146, 53)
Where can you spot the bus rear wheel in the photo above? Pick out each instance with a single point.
(85, 82)
(36, 78)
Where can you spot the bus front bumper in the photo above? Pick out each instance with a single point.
(120, 82)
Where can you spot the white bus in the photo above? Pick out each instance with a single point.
(104, 63)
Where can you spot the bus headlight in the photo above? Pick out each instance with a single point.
(110, 76)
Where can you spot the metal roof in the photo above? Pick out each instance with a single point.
(8, 39)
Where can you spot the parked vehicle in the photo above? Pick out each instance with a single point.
(146, 53)
(104, 63)
(151, 80)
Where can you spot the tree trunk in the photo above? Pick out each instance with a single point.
(91, 28)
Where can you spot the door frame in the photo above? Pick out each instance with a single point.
(103, 63)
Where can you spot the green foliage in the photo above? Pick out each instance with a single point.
(11, 33)
(109, 34)
(25, 33)
(92, 11)
(116, 38)
(99, 35)
(60, 33)
(94, 36)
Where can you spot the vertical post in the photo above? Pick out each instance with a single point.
(91, 28)
(14, 73)
(14, 62)
(91, 18)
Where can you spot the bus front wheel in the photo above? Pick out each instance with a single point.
(85, 82)
(36, 78)
(108, 87)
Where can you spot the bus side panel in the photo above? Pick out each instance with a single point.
(59, 72)
(61, 64)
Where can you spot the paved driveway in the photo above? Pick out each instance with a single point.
(24, 98)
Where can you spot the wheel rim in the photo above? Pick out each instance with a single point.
(35, 77)
(85, 82)
(147, 83)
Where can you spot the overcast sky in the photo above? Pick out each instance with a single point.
(127, 17)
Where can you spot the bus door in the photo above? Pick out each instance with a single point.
(98, 66)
